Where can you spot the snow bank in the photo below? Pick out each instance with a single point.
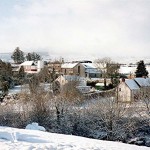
(22, 139)
(35, 126)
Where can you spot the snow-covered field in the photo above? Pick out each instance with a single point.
(25, 139)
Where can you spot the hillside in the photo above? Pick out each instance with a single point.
(24, 139)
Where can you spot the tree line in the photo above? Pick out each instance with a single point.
(19, 56)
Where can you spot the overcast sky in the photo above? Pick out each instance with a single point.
(76, 27)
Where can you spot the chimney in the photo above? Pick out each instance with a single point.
(123, 79)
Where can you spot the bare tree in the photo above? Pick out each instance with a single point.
(143, 101)
(66, 99)
(102, 64)
(110, 69)
(114, 119)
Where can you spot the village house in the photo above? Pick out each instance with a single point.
(56, 66)
(133, 89)
(32, 66)
(70, 69)
(90, 70)
(63, 79)
(81, 68)
(79, 81)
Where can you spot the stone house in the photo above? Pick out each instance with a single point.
(82, 69)
(56, 66)
(70, 68)
(133, 89)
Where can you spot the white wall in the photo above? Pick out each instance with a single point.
(40, 65)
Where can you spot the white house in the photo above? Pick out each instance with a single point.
(32, 66)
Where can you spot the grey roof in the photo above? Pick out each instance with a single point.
(132, 84)
(90, 68)
(73, 78)
(143, 81)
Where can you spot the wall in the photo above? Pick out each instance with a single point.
(124, 93)
(81, 71)
(61, 80)
(67, 71)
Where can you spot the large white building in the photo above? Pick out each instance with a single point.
(32, 66)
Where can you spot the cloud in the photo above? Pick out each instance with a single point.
(78, 27)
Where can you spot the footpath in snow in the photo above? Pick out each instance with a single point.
(25, 139)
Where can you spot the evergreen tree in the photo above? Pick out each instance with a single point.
(5, 76)
(141, 69)
(21, 72)
(33, 56)
(5, 70)
(18, 56)
(28, 57)
(36, 56)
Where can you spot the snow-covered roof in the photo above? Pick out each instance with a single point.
(90, 68)
(136, 83)
(143, 81)
(88, 65)
(68, 65)
(148, 69)
(27, 63)
(15, 69)
(127, 70)
(132, 84)
(124, 69)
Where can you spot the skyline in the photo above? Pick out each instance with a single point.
(96, 28)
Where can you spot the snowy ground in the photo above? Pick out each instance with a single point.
(24, 139)
(25, 88)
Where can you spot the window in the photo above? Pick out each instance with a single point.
(78, 69)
